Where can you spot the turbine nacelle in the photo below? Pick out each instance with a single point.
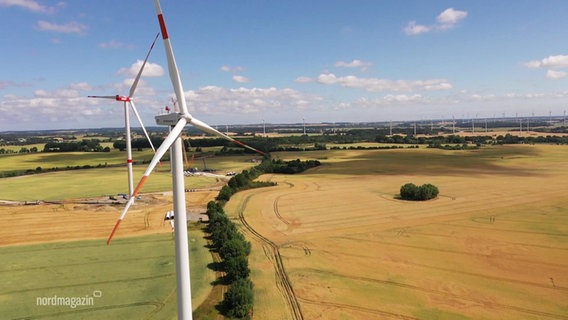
(122, 98)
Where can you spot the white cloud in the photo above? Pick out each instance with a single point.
(552, 74)
(414, 29)
(552, 62)
(447, 19)
(230, 69)
(451, 16)
(240, 79)
(60, 108)
(30, 5)
(404, 98)
(380, 85)
(214, 100)
(71, 27)
(363, 65)
(150, 69)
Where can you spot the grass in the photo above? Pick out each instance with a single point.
(134, 278)
(100, 181)
(493, 244)
(48, 160)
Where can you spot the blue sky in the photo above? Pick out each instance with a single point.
(281, 61)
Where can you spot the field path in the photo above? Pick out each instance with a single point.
(272, 252)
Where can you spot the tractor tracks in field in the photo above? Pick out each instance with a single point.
(343, 306)
(90, 284)
(272, 252)
(461, 272)
(158, 306)
(277, 212)
(478, 302)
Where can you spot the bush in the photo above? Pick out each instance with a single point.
(412, 192)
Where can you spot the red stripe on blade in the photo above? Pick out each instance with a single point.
(163, 26)
(113, 231)
(139, 186)
(129, 161)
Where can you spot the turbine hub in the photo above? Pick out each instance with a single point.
(122, 98)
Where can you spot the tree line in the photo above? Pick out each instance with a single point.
(445, 141)
(87, 145)
(234, 250)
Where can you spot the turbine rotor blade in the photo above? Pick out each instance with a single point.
(164, 147)
(206, 128)
(135, 83)
(172, 66)
(103, 97)
(142, 125)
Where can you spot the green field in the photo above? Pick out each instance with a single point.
(88, 183)
(134, 278)
(48, 160)
(97, 182)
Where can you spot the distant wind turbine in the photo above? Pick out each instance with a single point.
(129, 100)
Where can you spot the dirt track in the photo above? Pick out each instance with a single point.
(272, 252)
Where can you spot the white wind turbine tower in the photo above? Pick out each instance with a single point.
(177, 121)
(128, 100)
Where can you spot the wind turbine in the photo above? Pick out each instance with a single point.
(128, 100)
(177, 121)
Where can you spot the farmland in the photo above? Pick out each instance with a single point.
(335, 243)
(132, 279)
(332, 243)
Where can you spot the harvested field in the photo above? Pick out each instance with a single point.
(67, 221)
(335, 243)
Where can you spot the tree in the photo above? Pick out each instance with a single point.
(427, 192)
(225, 193)
(234, 247)
(238, 300)
(409, 191)
(120, 145)
(412, 192)
(237, 268)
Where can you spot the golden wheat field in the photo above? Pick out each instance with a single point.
(76, 221)
(336, 243)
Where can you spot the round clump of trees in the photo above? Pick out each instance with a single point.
(412, 192)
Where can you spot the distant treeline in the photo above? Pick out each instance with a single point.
(86, 145)
(447, 141)
(37, 170)
(245, 179)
